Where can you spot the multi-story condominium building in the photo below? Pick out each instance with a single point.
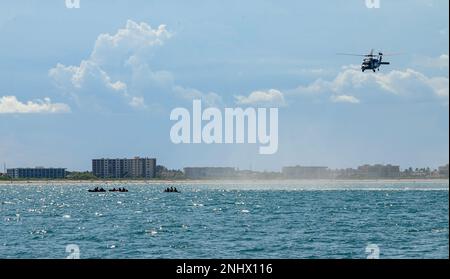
(37, 173)
(379, 171)
(443, 171)
(124, 168)
(209, 172)
(304, 172)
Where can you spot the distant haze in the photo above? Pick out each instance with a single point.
(101, 81)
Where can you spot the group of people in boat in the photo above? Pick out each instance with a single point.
(96, 189)
(171, 190)
(118, 190)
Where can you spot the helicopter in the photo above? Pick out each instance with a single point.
(371, 61)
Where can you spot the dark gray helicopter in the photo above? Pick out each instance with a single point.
(371, 61)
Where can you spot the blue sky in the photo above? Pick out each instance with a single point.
(100, 81)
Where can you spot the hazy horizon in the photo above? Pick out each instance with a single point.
(100, 81)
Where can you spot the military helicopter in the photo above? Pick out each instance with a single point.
(371, 61)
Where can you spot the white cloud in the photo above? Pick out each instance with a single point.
(143, 76)
(90, 86)
(10, 104)
(441, 87)
(84, 75)
(441, 62)
(210, 99)
(117, 72)
(316, 87)
(271, 97)
(344, 99)
(137, 102)
(413, 84)
(92, 83)
(136, 39)
(406, 85)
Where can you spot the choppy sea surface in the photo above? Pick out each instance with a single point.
(227, 220)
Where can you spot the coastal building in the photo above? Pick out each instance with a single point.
(37, 173)
(209, 172)
(248, 174)
(124, 168)
(443, 171)
(378, 171)
(305, 172)
(347, 173)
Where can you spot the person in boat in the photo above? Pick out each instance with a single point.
(175, 190)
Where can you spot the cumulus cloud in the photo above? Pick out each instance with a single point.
(10, 104)
(352, 86)
(135, 40)
(137, 102)
(271, 97)
(87, 73)
(344, 99)
(100, 79)
(406, 85)
(118, 72)
(440, 62)
(209, 99)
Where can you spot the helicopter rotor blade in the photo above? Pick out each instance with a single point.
(371, 54)
(392, 54)
(351, 54)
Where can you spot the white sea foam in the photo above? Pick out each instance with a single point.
(198, 204)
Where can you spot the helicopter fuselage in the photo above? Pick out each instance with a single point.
(371, 61)
(372, 64)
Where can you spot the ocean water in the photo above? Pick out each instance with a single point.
(227, 220)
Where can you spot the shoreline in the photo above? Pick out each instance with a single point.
(216, 181)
